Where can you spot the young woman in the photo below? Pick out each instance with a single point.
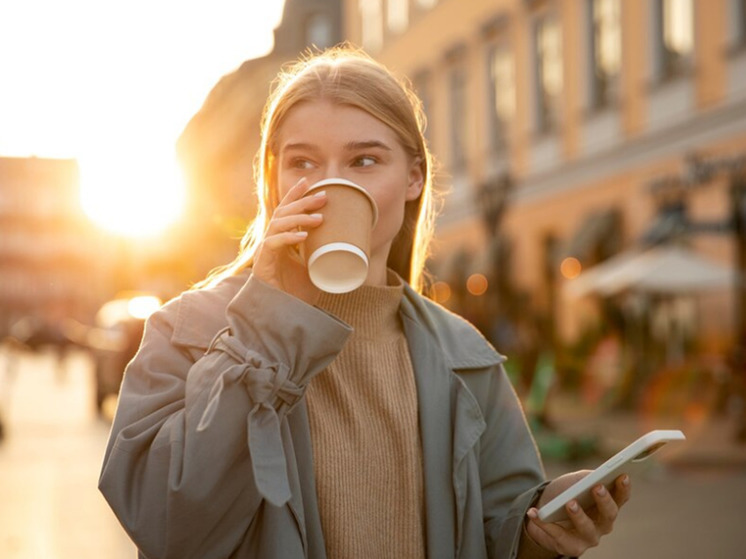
(264, 418)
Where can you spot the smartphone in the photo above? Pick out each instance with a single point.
(629, 461)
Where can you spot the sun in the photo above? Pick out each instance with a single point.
(134, 197)
(116, 105)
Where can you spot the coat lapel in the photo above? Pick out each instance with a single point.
(304, 503)
(451, 421)
(432, 376)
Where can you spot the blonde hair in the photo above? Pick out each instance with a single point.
(346, 76)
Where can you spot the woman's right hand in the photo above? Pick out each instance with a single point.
(277, 261)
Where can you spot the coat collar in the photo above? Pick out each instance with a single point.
(200, 314)
(462, 345)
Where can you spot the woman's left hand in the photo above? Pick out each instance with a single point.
(586, 527)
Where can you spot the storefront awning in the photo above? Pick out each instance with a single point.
(663, 269)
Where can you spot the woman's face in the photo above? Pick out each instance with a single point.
(320, 139)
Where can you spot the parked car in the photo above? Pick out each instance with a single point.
(115, 339)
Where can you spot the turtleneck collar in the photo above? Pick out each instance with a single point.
(371, 310)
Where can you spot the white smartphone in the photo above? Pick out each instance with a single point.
(628, 461)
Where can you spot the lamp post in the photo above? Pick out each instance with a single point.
(738, 205)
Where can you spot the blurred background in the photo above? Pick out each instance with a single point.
(592, 177)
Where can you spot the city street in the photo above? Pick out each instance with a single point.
(49, 463)
(692, 505)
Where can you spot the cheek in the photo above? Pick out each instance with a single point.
(390, 213)
(283, 182)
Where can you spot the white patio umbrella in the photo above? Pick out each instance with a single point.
(667, 269)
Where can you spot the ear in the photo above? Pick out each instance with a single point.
(416, 180)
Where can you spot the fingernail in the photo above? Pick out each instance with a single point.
(600, 491)
(625, 480)
(573, 506)
(316, 216)
(301, 234)
(532, 514)
(320, 193)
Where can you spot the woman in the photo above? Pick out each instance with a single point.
(264, 418)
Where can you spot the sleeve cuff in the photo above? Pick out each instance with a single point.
(529, 549)
(285, 329)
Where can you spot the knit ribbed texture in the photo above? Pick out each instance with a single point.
(364, 430)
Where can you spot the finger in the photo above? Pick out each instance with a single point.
(541, 537)
(296, 191)
(554, 536)
(607, 509)
(304, 204)
(622, 490)
(294, 222)
(281, 240)
(584, 525)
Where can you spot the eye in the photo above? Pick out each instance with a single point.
(364, 161)
(299, 163)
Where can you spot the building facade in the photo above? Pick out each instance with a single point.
(46, 253)
(555, 123)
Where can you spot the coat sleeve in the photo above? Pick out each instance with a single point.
(510, 470)
(196, 446)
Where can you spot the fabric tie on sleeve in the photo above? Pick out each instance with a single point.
(272, 394)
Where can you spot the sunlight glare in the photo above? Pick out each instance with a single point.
(113, 86)
(143, 306)
(137, 198)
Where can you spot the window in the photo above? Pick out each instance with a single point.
(501, 93)
(548, 48)
(397, 15)
(606, 51)
(371, 16)
(457, 117)
(319, 31)
(677, 36)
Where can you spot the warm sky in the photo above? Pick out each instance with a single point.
(114, 83)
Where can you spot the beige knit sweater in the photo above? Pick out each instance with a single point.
(364, 430)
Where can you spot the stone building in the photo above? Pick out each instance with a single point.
(46, 253)
(556, 122)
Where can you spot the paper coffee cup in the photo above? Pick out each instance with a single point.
(337, 251)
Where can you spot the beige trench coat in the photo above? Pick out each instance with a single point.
(210, 451)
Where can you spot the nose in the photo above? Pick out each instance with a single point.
(333, 170)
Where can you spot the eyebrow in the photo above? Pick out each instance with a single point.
(349, 146)
(368, 144)
(299, 146)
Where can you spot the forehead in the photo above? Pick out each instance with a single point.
(325, 123)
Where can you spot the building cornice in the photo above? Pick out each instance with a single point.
(703, 130)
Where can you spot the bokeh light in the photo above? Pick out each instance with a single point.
(477, 284)
(570, 267)
(441, 292)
